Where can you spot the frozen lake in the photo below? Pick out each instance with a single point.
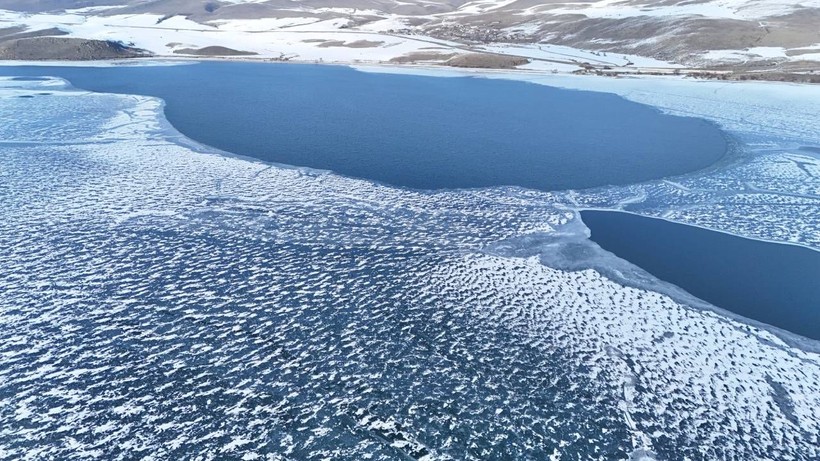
(415, 131)
(162, 299)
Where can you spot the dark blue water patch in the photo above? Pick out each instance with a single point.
(413, 131)
(420, 132)
(30, 79)
(773, 283)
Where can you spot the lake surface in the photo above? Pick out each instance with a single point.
(413, 131)
(160, 302)
(769, 282)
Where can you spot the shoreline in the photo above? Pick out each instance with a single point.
(673, 73)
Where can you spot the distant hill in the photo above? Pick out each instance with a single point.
(747, 35)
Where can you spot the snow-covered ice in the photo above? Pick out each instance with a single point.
(161, 299)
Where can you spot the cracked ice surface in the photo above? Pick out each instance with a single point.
(768, 186)
(163, 302)
(767, 193)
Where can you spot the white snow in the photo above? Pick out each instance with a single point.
(295, 38)
(725, 9)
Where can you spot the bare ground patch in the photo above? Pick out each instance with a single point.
(65, 48)
(486, 61)
(214, 51)
(422, 57)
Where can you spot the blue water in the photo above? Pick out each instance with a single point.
(412, 131)
(768, 282)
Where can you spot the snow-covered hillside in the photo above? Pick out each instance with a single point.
(750, 35)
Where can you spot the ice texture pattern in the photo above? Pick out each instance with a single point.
(161, 300)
